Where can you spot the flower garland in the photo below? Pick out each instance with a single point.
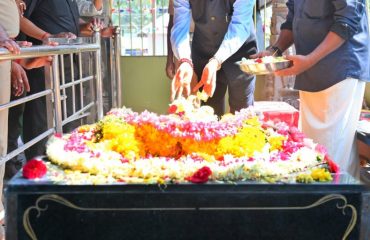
(189, 145)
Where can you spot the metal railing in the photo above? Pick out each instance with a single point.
(56, 86)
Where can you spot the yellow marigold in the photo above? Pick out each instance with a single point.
(113, 129)
(190, 146)
(121, 137)
(157, 143)
(127, 146)
(85, 128)
(321, 175)
(207, 157)
(247, 141)
(253, 122)
(276, 142)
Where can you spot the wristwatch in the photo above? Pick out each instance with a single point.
(275, 50)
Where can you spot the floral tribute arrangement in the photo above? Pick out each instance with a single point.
(190, 144)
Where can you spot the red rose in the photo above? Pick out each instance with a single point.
(58, 135)
(258, 60)
(172, 109)
(333, 167)
(200, 176)
(34, 168)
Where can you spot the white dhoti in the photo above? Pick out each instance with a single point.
(330, 118)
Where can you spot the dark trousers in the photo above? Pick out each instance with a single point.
(15, 127)
(34, 116)
(239, 85)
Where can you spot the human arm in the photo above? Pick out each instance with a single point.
(181, 49)
(237, 33)
(19, 80)
(238, 30)
(21, 7)
(347, 17)
(8, 43)
(180, 39)
(88, 28)
(30, 29)
(90, 8)
(285, 39)
(302, 63)
(170, 65)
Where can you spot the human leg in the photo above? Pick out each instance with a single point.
(14, 131)
(330, 118)
(34, 117)
(241, 92)
(4, 98)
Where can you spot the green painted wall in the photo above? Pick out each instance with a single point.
(145, 85)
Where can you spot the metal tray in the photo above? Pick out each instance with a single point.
(264, 68)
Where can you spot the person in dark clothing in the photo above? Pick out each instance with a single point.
(223, 34)
(332, 66)
(44, 19)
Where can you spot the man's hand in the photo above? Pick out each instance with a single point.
(36, 62)
(19, 80)
(181, 81)
(107, 32)
(209, 76)
(21, 7)
(97, 24)
(261, 54)
(45, 40)
(10, 45)
(63, 35)
(24, 44)
(300, 64)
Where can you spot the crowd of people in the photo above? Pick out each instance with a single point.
(26, 23)
(331, 64)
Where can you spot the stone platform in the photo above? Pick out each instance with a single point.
(246, 210)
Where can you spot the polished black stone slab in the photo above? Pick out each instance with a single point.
(246, 210)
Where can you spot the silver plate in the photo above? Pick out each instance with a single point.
(264, 68)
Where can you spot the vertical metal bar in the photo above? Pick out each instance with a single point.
(119, 12)
(73, 86)
(154, 20)
(48, 98)
(112, 63)
(57, 99)
(141, 27)
(164, 37)
(130, 16)
(63, 82)
(99, 85)
(118, 66)
(264, 35)
(81, 83)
